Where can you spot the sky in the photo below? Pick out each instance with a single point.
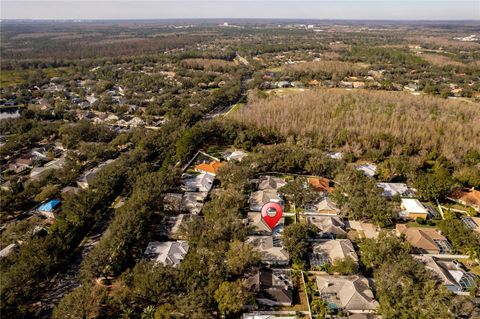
(310, 9)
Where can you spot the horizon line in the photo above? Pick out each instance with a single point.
(227, 18)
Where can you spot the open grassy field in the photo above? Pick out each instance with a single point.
(15, 77)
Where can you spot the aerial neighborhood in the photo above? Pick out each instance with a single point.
(254, 169)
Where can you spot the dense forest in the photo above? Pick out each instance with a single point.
(378, 123)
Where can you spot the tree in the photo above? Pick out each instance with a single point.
(374, 252)
(47, 192)
(165, 311)
(295, 240)
(359, 198)
(345, 266)
(319, 308)
(301, 191)
(232, 297)
(434, 185)
(151, 284)
(82, 302)
(240, 257)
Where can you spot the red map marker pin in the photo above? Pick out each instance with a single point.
(271, 214)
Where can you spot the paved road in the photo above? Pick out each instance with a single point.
(67, 280)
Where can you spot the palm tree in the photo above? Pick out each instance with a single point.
(148, 312)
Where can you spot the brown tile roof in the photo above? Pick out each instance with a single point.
(320, 184)
(469, 196)
(421, 238)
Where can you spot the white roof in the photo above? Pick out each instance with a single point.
(201, 182)
(392, 189)
(412, 205)
(368, 169)
(7, 250)
(236, 155)
(335, 249)
(169, 253)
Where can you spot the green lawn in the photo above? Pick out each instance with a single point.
(415, 224)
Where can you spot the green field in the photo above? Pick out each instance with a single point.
(15, 77)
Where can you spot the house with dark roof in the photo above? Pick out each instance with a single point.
(270, 248)
(272, 287)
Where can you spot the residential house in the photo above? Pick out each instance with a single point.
(424, 240)
(328, 226)
(396, 189)
(87, 178)
(326, 252)
(49, 208)
(172, 202)
(235, 156)
(52, 165)
(351, 294)
(364, 230)
(171, 225)
(259, 227)
(259, 315)
(323, 207)
(272, 287)
(136, 122)
(412, 208)
(259, 198)
(17, 168)
(468, 197)
(111, 118)
(472, 223)
(335, 155)
(270, 248)
(320, 184)
(345, 84)
(450, 273)
(271, 183)
(24, 160)
(358, 85)
(198, 183)
(209, 168)
(45, 152)
(170, 253)
(192, 202)
(369, 170)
